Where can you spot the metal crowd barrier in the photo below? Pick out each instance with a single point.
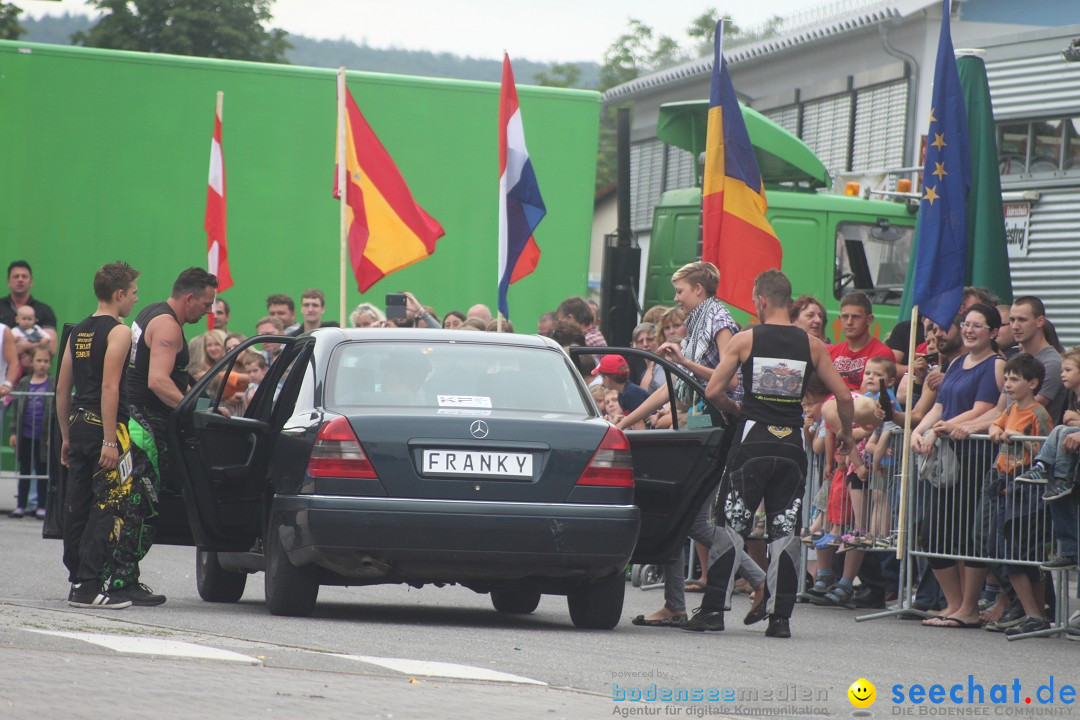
(973, 514)
(16, 459)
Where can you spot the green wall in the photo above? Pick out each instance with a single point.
(105, 157)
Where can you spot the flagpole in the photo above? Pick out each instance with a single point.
(342, 174)
(219, 110)
(905, 463)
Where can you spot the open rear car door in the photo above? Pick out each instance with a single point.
(220, 447)
(675, 469)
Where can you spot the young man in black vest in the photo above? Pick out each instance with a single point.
(767, 459)
(157, 379)
(93, 426)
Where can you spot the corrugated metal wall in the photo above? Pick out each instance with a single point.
(1033, 88)
(1052, 267)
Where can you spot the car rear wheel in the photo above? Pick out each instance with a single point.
(215, 583)
(290, 590)
(598, 605)
(517, 602)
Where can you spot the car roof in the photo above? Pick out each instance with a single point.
(335, 335)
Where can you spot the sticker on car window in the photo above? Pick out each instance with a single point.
(464, 401)
(471, 412)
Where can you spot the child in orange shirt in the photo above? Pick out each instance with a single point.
(1024, 417)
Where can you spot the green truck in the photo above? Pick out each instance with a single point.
(832, 243)
(106, 157)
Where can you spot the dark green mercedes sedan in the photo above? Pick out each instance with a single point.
(419, 457)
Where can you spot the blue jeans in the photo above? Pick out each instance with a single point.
(1064, 517)
(1053, 455)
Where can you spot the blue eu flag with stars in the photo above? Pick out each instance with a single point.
(941, 256)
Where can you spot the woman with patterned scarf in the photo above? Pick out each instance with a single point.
(709, 327)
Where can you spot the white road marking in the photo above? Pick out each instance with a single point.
(153, 646)
(430, 668)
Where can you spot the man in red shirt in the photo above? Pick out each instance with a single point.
(849, 357)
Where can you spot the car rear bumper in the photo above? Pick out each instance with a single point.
(388, 539)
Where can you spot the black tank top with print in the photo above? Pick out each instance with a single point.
(774, 375)
(88, 342)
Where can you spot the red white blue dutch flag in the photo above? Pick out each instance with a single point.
(520, 206)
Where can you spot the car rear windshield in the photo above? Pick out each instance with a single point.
(448, 377)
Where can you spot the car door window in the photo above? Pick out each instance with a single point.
(223, 393)
(697, 413)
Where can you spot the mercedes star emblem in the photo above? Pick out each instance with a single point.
(479, 429)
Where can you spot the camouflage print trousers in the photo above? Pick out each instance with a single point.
(137, 500)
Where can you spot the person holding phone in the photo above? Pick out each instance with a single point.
(404, 306)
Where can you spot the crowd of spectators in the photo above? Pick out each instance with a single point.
(966, 379)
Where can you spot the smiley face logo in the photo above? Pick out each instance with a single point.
(862, 693)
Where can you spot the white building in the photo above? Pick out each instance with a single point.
(854, 82)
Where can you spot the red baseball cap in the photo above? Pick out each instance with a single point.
(612, 365)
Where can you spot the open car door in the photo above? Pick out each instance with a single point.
(53, 526)
(220, 446)
(675, 469)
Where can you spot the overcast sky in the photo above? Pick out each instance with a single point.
(543, 30)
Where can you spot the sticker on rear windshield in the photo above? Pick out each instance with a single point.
(464, 401)
(471, 412)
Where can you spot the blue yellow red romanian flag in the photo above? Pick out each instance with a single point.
(941, 256)
(387, 229)
(736, 237)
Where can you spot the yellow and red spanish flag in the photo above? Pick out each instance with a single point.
(736, 237)
(387, 229)
(217, 254)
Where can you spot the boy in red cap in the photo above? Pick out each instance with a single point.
(615, 374)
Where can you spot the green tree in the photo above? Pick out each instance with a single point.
(10, 29)
(231, 29)
(638, 50)
(564, 75)
(702, 31)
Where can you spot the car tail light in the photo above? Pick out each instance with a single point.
(611, 464)
(337, 453)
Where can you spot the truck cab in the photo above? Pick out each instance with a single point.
(832, 244)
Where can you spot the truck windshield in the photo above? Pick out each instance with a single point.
(873, 258)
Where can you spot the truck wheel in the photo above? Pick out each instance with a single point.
(515, 602)
(598, 605)
(215, 583)
(290, 590)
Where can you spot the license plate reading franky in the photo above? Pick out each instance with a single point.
(472, 462)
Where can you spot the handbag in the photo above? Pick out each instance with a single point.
(940, 467)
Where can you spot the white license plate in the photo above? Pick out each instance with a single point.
(475, 462)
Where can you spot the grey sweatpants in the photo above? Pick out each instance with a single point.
(703, 532)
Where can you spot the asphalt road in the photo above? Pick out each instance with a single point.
(310, 666)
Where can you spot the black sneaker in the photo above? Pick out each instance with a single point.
(1056, 489)
(1011, 617)
(869, 598)
(702, 620)
(1036, 475)
(778, 627)
(1059, 562)
(91, 595)
(1029, 623)
(139, 594)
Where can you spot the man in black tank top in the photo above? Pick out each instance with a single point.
(767, 459)
(157, 379)
(93, 427)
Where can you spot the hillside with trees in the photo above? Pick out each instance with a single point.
(307, 51)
